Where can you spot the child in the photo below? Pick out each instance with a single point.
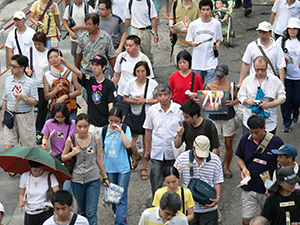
(220, 13)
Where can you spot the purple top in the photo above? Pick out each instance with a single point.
(58, 139)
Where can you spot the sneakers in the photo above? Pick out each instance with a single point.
(295, 119)
(248, 11)
(237, 5)
(286, 129)
(39, 138)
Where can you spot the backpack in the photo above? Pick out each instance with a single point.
(70, 102)
(124, 54)
(86, 9)
(148, 3)
(129, 150)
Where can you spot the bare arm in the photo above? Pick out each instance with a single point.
(127, 23)
(9, 54)
(74, 69)
(56, 19)
(112, 62)
(32, 15)
(148, 135)
(122, 42)
(271, 104)
(4, 107)
(50, 94)
(216, 151)
(77, 86)
(243, 72)
(69, 151)
(78, 60)
(72, 33)
(178, 138)
(116, 78)
(154, 25)
(281, 74)
(272, 17)
(55, 188)
(44, 142)
(99, 159)
(110, 106)
(243, 167)
(21, 197)
(190, 214)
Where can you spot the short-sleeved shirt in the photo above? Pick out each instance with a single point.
(80, 220)
(115, 27)
(24, 86)
(190, 133)
(102, 46)
(267, 161)
(179, 84)
(98, 98)
(48, 16)
(277, 206)
(59, 137)
(25, 40)
(115, 153)
(188, 197)
(186, 16)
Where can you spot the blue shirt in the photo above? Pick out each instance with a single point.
(268, 161)
(115, 153)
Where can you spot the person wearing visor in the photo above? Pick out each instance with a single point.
(283, 205)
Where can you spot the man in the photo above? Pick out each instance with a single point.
(247, 4)
(166, 213)
(194, 125)
(124, 67)
(160, 127)
(258, 85)
(184, 11)
(207, 167)
(259, 220)
(19, 39)
(94, 42)
(113, 25)
(272, 50)
(255, 158)
(286, 155)
(62, 204)
(205, 36)
(283, 205)
(77, 11)
(141, 15)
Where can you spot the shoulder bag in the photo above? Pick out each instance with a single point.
(71, 163)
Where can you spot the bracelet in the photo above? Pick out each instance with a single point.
(69, 155)
(156, 34)
(217, 196)
(68, 95)
(104, 178)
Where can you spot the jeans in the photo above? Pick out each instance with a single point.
(157, 5)
(292, 102)
(120, 209)
(247, 4)
(87, 197)
(209, 74)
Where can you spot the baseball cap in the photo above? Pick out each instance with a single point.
(2, 208)
(293, 23)
(286, 149)
(99, 59)
(264, 26)
(20, 15)
(221, 70)
(202, 146)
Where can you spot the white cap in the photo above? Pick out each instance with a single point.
(293, 23)
(202, 146)
(2, 208)
(20, 15)
(264, 26)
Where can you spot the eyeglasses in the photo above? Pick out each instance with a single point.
(261, 70)
(53, 57)
(14, 66)
(140, 71)
(167, 214)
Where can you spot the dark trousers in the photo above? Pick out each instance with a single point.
(209, 218)
(292, 102)
(42, 110)
(37, 219)
(247, 4)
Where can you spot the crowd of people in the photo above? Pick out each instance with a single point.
(112, 67)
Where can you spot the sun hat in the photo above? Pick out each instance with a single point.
(264, 26)
(202, 146)
(19, 15)
(293, 23)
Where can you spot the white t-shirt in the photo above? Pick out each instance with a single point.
(25, 40)
(36, 190)
(293, 47)
(78, 16)
(274, 53)
(118, 7)
(285, 13)
(140, 13)
(203, 55)
(80, 220)
(40, 65)
(126, 68)
(132, 90)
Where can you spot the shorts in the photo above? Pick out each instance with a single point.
(252, 203)
(94, 130)
(225, 127)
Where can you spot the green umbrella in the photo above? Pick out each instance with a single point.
(16, 160)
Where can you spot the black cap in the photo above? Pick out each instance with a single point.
(222, 70)
(99, 59)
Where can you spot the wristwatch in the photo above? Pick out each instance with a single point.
(146, 101)
(25, 98)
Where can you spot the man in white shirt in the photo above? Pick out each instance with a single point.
(272, 88)
(161, 124)
(124, 66)
(22, 33)
(79, 11)
(272, 50)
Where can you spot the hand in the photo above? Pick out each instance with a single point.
(76, 150)
(250, 102)
(140, 100)
(180, 130)
(229, 103)
(61, 60)
(195, 43)
(29, 71)
(73, 35)
(173, 31)
(62, 98)
(193, 95)
(44, 146)
(59, 87)
(155, 38)
(117, 127)
(19, 97)
(107, 182)
(2, 121)
(22, 202)
(267, 193)
(118, 51)
(213, 202)
(147, 155)
(244, 173)
(263, 105)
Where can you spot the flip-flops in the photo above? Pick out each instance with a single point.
(135, 162)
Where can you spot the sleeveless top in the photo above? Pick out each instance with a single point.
(86, 168)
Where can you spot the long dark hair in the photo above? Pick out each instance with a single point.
(287, 36)
(61, 107)
(170, 170)
(116, 111)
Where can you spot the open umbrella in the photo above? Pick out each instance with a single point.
(16, 160)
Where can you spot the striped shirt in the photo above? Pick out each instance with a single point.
(151, 217)
(24, 86)
(211, 172)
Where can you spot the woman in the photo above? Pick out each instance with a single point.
(182, 84)
(225, 122)
(134, 95)
(47, 22)
(86, 147)
(116, 159)
(291, 45)
(33, 188)
(38, 65)
(171, 178)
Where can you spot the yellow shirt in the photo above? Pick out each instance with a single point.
(49, 15)
(188, 197)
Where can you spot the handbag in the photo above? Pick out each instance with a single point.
(112, 194)
(71, 163)
(135, 122)
(9, 117)
(238, 108)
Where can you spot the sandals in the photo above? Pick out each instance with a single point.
(144, 176)
(135, 162)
